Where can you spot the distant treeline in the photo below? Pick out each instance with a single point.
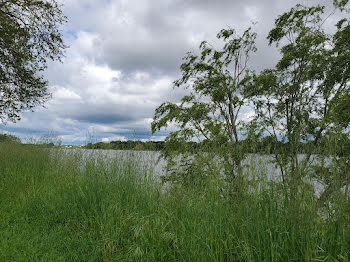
(128, 145)
(265, 146)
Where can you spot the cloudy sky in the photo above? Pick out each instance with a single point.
(123, 56)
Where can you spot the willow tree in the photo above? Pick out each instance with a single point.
(211, 113)
(29, 37)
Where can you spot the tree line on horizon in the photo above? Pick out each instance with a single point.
(265, 145)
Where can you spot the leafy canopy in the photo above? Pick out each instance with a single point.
(29, 36)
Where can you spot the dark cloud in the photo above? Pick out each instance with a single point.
(102, 118)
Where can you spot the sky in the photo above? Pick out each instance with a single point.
(123, 56)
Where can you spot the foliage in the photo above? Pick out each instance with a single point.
(211, 112)
(29, 37)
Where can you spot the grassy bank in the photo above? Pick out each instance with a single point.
(55, 207)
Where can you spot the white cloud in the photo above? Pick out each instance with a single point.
(64, 94)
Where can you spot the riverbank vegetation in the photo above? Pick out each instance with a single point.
(76, 207)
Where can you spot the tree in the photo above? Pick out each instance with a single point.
(300, 101)
(29, 36)
(9, 138)
(210, 114)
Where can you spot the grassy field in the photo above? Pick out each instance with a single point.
(66, 207)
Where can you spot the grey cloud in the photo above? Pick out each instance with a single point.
(102, 118)
(160, 36)
(154, 35)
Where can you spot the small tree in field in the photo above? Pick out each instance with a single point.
(217, 81)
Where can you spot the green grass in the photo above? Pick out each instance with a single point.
(59, 207)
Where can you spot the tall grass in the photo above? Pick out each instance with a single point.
(67, 206)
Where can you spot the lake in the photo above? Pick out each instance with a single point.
(254, 163)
